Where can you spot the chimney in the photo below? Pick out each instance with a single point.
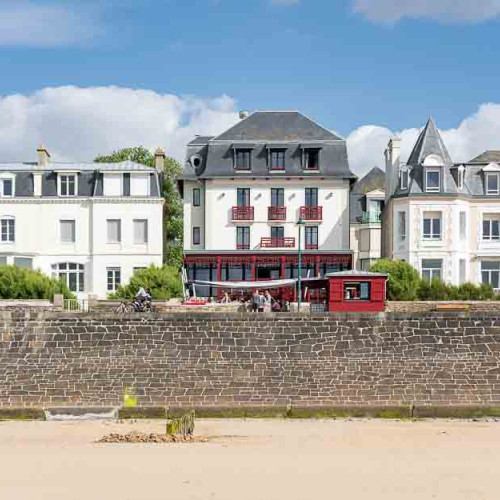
(392, 162)
(243, 115)
(42, 155)
(160, 160)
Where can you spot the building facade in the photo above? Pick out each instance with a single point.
(367, 202)
(245, 191)
(89, 224)
(443, 217)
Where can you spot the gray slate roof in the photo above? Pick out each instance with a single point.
(487, 157)
(285, 130)
(374, 179)
(429, 142)
(124, 166)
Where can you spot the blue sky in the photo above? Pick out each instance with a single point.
(346, 63)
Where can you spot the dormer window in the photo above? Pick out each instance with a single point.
(461, 175)
(67, 184)
(6, 186)
(432, 180)
(311, 159)
(277, 159)
(242, 159)
(492, 183)
(403, 178)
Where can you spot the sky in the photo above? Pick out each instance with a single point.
(86, 78)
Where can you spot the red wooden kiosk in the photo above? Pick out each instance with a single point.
(356, 291)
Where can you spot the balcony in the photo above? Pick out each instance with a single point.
(276, 213)
(243, 246)
(311, 246)
(242, 213)
(311, 213)
(370, 217)
(277, 243)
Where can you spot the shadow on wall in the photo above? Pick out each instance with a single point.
(336, 239)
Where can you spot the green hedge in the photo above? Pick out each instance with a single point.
(406, 284)
(18, 283)
(164, 282)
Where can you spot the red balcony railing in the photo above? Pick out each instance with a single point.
(277, 243)
(276, 213)
(311, 213)
(242, 246)
(311, 246)
(242, 213)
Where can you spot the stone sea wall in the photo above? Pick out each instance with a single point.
(242, 360)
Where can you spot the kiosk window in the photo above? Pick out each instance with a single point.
(357, 291)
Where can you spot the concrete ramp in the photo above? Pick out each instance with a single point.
(77, 414)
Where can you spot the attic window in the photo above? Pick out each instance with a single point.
(242, 159)
(433, 180)
(403, 177)
(491, 183)
(311, 159)
(461, 174)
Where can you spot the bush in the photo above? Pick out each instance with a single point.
(18, 283)
(164, 282)
(403, 282)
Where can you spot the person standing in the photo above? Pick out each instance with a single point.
(255, 300)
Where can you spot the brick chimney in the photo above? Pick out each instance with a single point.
(160, 160)
(42, 156)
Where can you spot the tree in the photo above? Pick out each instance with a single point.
(403, 282)
(172, 208)
(18, 283)
(164, 282)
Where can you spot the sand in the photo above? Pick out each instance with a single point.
(256, 460)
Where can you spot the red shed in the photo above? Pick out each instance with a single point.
(356, 291)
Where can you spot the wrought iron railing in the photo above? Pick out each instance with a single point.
(276, 213)
(367, 217)
(242, 213)
(277, 243)
(311, 213)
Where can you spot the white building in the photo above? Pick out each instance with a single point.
(442, 217)
(245, 190)
(90, 224)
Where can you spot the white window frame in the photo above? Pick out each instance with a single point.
(60, 175)
(59, 272)
(461, 177)
(118, 242)
(7, 177)
(134, 221)
(493, 175)
(489, 220)
(115, 283)
(432, 236)
(403, 179)
(60, 230)
(432, 270)
(489, 272)
(432, 171)
(402, 225)
(7, 239)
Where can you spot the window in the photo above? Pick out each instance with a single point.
(7, 187)
(491, 183)
(461, 174)
(311, 197)
(311, 237)
(432, 180)
(375, 206)
(3, 260)
(242, 238)
(242, 159)
(67, 185)
(277, 197)
(114, 278)
(463, 226)
(278, 232)
(462, 271)
(243, 197)
(404, 179)
(490, 273)
(311, 159)
(8, 230)
(113, 185)
(67, 231)
(196, 197)
(431, 269)
(23, 262)
(71, 274)
(278, 160)
(357, 291)
(139, 185)
(196, 236)
(140, 231)
(402, 225)
(114, 230)
(432, 226)
(491, 227)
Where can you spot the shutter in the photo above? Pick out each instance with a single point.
(336, 289)
(378, 290)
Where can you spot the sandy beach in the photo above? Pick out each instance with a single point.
(253, 460)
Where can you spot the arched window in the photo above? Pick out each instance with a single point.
(70, 273)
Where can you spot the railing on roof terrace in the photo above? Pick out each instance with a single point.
(367, 217)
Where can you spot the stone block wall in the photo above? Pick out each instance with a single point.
(194, 360)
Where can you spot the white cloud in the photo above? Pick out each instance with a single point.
(443, 10)
(475, 134)
(52, 24)
(80, 123)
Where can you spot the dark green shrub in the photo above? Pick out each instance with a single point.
(164, 282)
(403, 281)
(18, 283)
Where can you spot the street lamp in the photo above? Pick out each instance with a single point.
(300, 223)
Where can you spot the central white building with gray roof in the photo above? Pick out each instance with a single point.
(89, 224)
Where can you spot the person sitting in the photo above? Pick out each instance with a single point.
(142, 298)
(225, 299)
